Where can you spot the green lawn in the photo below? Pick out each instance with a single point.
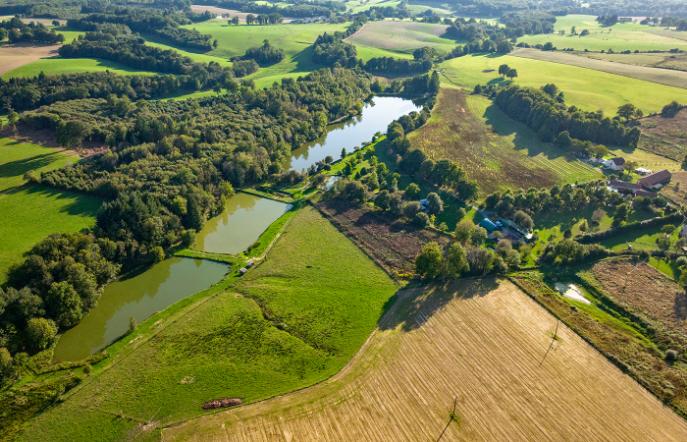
(59, 66)
(619, 37)
(321, 296)
(586, 88)
(31, 212)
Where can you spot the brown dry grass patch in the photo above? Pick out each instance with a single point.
(676, 191)
(494, 150)
(14, 56)
(484, 344)
(643, 289)
(665, 136)
(392, 244)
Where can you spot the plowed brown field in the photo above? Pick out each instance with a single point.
(485, 345)
(14, 56)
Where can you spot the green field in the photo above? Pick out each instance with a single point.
(198, 58)
(294, 320)
(363, 5)
(619, 37)
(586, 88)
(30, 212)
(366, 52)
(402, 36)
(59, 66)
(494, 150)
(295, 40)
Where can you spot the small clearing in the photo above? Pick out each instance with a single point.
(14, 56)
(665, 136)
(480, 349)
(663, 76)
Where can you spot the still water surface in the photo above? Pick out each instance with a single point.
(376, 117)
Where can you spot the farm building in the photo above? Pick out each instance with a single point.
(489, 225)
(655, 180)
(616, 163)
(629, 188)
(643, 171)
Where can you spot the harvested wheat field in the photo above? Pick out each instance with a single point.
(14, 56)
(484, 344)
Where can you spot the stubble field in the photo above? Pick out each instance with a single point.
(513, 372)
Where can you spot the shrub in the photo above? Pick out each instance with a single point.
(40, 333)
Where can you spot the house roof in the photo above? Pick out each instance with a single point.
(619, 161)
(655, 178)
(488, 224)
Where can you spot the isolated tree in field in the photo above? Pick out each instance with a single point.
(40, 333)
(512, 73)
(455, 261)
(435, 204)
(234, 21)
(550, 89)
(584, 33)
(671, 109)
(429, 263)
(630, 112)
(503, 70)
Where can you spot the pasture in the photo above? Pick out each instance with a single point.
(669, 77)
(658, 60)
(587, 89)
(619, 37)
(60, 66)
(294, 320)
(30, 212)
(294, 39)
(493, 149)
(402, 36)
(471, 355)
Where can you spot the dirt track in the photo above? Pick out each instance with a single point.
(663, 76)
(489, 347)
(14, 56)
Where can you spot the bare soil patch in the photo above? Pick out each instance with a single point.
(669, 77)
(483, 345)
(665, 136)
(645, 290)
(392, 244)
(14, 56)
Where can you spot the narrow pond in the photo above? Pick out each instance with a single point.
(375, 117)
(245, 217)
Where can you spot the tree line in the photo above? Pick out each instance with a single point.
(165, 25)
(16, 31)
(548, 115)
(264, 55)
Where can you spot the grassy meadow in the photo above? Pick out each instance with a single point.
(31, 212)
(402, 36)
(619, 37)
(294, 320)
(60, 66)
(586, 88)
(493, 149)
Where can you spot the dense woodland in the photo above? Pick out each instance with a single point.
(264, 55)
(546, 113)
(16, 31)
